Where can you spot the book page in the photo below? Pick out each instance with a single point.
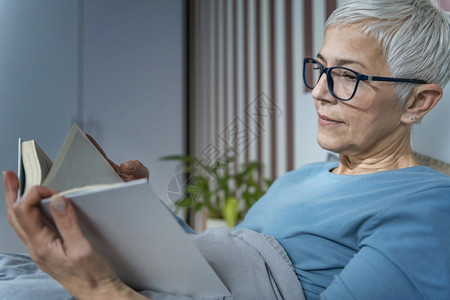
(79, 164)
(88, 189)
(36, 164)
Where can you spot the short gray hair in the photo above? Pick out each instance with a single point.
(414, 36)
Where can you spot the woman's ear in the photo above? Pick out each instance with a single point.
(421, 101)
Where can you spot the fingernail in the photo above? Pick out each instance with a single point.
(58, 203)
(129, 165)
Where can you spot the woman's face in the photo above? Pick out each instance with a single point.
(370, 121)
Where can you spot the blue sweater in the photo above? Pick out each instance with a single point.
(384, 235)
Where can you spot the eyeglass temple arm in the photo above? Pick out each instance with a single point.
(390, 79)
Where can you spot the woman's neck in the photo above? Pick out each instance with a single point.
(395, 156)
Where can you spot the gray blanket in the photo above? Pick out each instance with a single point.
(251, 265)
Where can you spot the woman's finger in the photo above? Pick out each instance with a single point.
(11, 186)
(24, 214)
(133, 169)
(30, 219)
(113, 165)
(65, 219)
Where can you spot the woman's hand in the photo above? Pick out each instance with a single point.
(69, 257)
(129, 170)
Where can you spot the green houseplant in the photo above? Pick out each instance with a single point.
(224, 188)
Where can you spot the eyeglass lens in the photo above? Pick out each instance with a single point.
(341, 81)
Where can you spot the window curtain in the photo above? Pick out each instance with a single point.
(244, 72)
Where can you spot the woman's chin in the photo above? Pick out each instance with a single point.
(329, 144)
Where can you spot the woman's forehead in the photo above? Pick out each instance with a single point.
(348, 45)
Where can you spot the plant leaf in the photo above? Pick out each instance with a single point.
(230, 211)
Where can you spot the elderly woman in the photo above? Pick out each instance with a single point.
(375, 225)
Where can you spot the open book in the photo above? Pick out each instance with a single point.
(78, 164)
(125, 221)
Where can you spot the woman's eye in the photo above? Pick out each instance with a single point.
(350, 76)
(344, 74)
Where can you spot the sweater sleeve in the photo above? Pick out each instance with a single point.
(404, 254)
(371, 275)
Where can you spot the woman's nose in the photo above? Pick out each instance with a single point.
(321, 92)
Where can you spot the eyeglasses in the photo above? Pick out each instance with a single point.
(342, 82)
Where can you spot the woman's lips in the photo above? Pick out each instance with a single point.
(327, 121)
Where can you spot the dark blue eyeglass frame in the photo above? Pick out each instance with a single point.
(358, 77)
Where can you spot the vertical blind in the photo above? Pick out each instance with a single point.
(244, 69)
